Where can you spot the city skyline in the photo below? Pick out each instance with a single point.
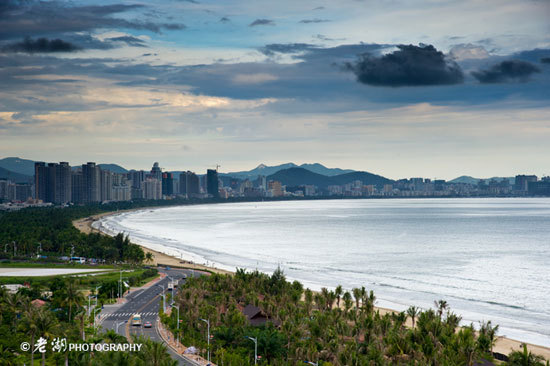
(194, 84)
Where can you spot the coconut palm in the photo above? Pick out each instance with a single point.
(441, 306)
(47, 327)
(29, 324)
(149, 257)
(413, 312)
(12, 302)
(338, 292)
(154, 353)
(525, 358)
(72, 297)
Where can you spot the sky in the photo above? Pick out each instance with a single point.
(400, 88)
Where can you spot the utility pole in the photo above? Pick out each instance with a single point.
(255, 340)
(178, 326)
(207, 321)
(163, 299)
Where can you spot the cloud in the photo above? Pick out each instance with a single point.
(408, 66)
(41, 45)
(468, 52)
(271, 49)
(129, 40)
(545, 60)
(319, 8)
(34, 18)
(224, 20)
(506, 71)
(261, 22)
(308, 21)
(258, 78)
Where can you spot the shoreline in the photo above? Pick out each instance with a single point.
(503, 344)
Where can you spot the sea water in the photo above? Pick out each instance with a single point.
(489, 258)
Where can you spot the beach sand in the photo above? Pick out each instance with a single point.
(503, 345)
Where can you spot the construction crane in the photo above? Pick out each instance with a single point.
(217, 166)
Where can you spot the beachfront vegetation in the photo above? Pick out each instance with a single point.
(329, 328)
(23, 232)
(59, 311)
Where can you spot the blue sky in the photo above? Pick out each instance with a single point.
(399, 88)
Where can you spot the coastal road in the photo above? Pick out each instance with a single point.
(146, 302)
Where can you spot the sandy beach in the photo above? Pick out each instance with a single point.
(503, 345)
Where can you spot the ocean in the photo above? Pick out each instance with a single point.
(489, 258)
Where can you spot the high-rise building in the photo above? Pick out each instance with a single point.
(52, 182)
(40, 178)
(107, 185)
(136, 176)
(92, 181)
(152, 189)
(522, 182)
(189, 184)
(261, 182)
(62, 183)
(78, 187)
(167, 184)
(212, 184)
(275, 188)
(156, 172)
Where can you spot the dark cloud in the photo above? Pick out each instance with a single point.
(261, 22)
(41, 45)
(545, 60)
(319, 8)
(224, 20)
(309, 21)
(129, 40)
(271, 49)
(39, 18)
(190, 1)
(506, 71)
(408, 66)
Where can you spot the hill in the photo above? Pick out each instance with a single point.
(14, 177)
(471, 180)
(18, 165)
(263, 169)
(301, 176)
(113, 168)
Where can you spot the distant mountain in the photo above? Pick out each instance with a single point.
(18, 165)
(471, 180)
(321, 169)
(113, 168)
(301, 176)
(269, 170)
(365, 177)
(15, 177)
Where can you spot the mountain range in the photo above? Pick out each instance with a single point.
(301, 176)
(268, 170)
(471, 180)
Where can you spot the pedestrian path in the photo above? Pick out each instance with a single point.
(113, 316)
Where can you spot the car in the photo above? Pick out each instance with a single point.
(147, 325)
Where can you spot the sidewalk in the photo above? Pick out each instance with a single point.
(179, 348)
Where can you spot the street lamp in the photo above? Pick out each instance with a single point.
(94, 313)
(255, 340)
(118, 324)
(178, 321)
(163, 299)
(207, 321)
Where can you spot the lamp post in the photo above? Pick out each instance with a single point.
(207, 321)
(178, 321)
(96, 294)
(255, 340)
(94, 312)
(118, 324)
(163, 299)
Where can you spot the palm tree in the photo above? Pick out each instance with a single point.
(413, 312)
(441, 306)
(7, 356)
(149, 257)
(338, 291)
(154, 353)
(525, 358)
(47, 326)
(357, 295)
(12, 302)
(30, 326)
(73, 297)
